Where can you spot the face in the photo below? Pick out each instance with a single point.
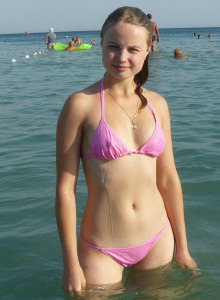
(124, 50)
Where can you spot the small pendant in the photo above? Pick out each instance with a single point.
(133, 125)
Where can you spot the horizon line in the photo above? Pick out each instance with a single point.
(162, 28)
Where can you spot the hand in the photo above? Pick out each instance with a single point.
(184, 259)
(74, 279)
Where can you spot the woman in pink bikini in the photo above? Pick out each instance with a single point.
(121, 131)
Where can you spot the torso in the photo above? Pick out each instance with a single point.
(51, 37)
(124, 206)
(153, 27)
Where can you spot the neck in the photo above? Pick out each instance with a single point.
(121, 88)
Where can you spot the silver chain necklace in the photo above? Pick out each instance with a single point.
(133, 125)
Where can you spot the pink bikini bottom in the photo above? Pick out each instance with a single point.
(131, 255)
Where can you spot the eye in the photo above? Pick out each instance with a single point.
(133, 50)
(113, 46)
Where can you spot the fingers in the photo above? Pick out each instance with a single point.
(80, 292)
(195, 270)
(75, 288)
(192, 267)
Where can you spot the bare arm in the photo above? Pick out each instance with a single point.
(157, 32)
(69, 134)
(170, 188)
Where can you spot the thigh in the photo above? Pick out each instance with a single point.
(154, 43)
(161, 254)
(98, 268)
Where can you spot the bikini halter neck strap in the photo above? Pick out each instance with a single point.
(102, 99)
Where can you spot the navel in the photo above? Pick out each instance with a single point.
(134, 206)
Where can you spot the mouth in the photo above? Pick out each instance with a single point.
(120, 68)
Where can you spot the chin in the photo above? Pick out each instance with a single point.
(120, 75)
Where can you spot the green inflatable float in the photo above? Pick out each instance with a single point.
(61, 47)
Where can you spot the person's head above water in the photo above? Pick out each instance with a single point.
(177, 52)
(134, 17)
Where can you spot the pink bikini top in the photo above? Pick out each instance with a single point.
(108, 145)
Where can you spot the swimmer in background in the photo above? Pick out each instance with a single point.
(155, 32)
(178, 53)
(93, 42)
(134, 215)
(70, 47)
(209, 36)
(199, 36)
(78, 41)
(50, 39)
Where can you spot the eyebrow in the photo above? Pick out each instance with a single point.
(110, 42)
(130, 46)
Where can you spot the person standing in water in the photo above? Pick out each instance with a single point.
(155, 33)
(121, 131)
(50, 39)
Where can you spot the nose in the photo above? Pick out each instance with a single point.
(122, 55)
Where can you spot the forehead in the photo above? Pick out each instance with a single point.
(124, 31)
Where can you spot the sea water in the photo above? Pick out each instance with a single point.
(33, 91)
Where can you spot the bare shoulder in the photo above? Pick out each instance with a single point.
(79, 104)
(159, 104)
(153, 23)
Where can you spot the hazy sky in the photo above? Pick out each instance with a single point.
(18, 16)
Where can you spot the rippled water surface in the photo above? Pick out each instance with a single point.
(32, 93)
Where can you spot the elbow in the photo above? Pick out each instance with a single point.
(170, 183)
(64, 193)
(64, 203)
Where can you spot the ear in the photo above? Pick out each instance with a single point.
(147, 52)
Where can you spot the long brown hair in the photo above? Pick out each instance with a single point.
(134, 16)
